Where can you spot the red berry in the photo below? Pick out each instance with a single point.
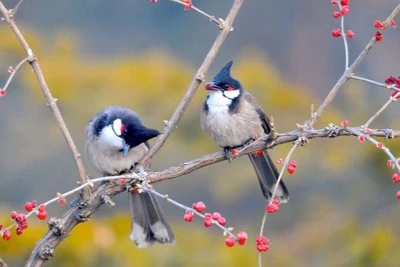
(361, 138)
(367, 131)
(378, 36)
(398, 195)
(262, 243)
(28, 206)
(208, 216)
(122, 181)
(336, 33)
(271, 208)
(3, 92)
(6, 235)
(344, 2)
(10, 69)
(199, 206)
(242, 237)
(378, 24)
(393, 24)
(291, 169)
(23, 225)
(188, 217)
(62, 201)
(18, 231)
(258, 153)
(21, 218)
(293, 163)
(333, 2)
(42, 207)
(221, 221)
(336, 14)
(153, 1)
(42, 215)
(396, 178)
(234, 153)
(350, 34)
(230, 241)
(13, 214)
(379, 145)
(345, 123)
(389, 163)
(344, 10)
(216, 215)
(276, 202)
(207, 223)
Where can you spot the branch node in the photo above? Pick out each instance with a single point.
(200, 78)
(56, 226)
(46, 252)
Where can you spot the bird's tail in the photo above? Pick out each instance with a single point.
(268, 176)
(149, 224)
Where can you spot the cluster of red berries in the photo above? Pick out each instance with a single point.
(344, 10)
(395, 176)
(216, 217)
(273, 206)
(2, 92)
(361, 138)
(291, 167)
(262, 243)
(381, 26)
(396, 82)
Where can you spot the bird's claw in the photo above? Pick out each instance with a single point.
(303, 141)
(230, 153)
(332, 130)
(389, 134)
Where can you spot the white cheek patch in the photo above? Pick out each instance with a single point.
(117, 126)
(232, 94)
(109, 138)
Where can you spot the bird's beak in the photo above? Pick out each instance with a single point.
(212, 86)
(125, 148)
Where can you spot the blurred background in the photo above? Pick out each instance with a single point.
(343, 210)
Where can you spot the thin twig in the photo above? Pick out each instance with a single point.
(284, 166)
(197, 79)
(376, 143)
(347, 74)
(384, 85)
(50, 100)
(219, 22)
(14, 72)
(379, 112)
(346, 46)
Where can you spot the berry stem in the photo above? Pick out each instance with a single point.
(14, 72)
(346, 47)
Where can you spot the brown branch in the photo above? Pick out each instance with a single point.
(197, 79)
(33, 61)
(348, 72)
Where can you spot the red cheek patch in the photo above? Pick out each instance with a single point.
(230, 88)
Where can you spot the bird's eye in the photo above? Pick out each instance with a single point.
(228, 87)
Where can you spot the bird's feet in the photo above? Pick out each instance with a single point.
(230, 153)
(332, 130)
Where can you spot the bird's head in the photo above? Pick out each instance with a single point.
(225, 84)
(122, 129)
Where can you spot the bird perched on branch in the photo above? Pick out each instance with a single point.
(116, 140)
(232, 118)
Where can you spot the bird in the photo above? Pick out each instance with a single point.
(116, 140)
(232, 118)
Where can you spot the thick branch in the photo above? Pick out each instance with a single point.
(197, 79)
(50, 100)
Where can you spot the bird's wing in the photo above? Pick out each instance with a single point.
(266, 122)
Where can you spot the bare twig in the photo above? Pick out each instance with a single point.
(14, 72)
(379, 112)
(51, 101)
(219, 22)
(347, 74)
(384, 85)
(2, 263)
(197, 79)
(284, 166)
